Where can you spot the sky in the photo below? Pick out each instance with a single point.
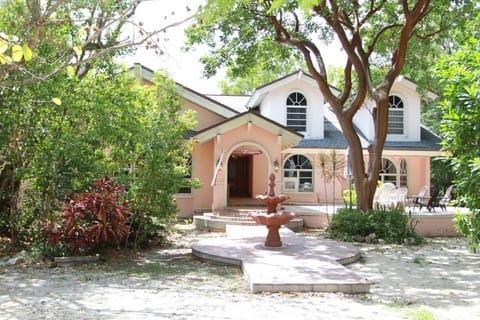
(184, 67)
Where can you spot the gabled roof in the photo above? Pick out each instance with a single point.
(146, 74)
(334, 139)
(235, 116)
(289, 138)
(409, 83)
(262, 91)
(206, 102)
(236, 102)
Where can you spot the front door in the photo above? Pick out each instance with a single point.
(239, 177)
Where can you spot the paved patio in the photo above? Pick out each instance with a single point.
(301, 264)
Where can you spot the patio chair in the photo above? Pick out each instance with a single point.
(421, 199)
(399, 198)
(445, 199)
(383, 195)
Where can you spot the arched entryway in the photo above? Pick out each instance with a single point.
(247, 173)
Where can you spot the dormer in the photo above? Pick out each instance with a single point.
(404, 113)
(293, 101)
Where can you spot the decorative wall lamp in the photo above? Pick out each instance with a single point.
(276, 165)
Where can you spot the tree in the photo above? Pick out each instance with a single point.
(40, 39)
(460, 74)
(107, 124)
(373, 34)
(266, 68)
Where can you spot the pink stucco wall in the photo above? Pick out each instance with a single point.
(205, 118)
(214, 198)
(418, 174)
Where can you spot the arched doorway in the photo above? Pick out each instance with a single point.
(247, 173)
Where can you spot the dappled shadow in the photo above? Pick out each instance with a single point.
(440, 274)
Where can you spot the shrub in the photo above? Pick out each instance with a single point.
(469, 225)
(349, 197)
(91, 219)
(393, 226)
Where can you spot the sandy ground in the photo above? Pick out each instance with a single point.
(438, 280)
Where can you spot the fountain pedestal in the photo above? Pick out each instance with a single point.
(273, 220)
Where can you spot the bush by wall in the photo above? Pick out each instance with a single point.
(393, 226)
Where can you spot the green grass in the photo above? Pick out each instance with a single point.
(419, 260)
(421, 314)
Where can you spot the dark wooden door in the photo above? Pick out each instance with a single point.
(239, 171)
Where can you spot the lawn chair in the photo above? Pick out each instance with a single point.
(445, 199)
(422, 200)
(383, 195)
(399, 198)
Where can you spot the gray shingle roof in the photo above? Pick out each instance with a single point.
(428, 142)
(334, 139)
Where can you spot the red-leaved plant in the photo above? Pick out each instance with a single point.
(91, 219)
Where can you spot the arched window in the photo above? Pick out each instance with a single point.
(395, 115)
(388, 172)
(297, 112)
(298, 174)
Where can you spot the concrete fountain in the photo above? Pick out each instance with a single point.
(272, 219)
(303, 264)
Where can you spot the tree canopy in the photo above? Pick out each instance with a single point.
(374, 35)
(106, 125)
(460, 73)
(39, 39)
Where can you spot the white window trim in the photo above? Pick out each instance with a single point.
(307, 109)
(405, 116)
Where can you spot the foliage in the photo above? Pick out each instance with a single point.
(349, 197)
(106, 125)
(469, 225)
(329, 165)
(374, 36)
(161, 170)
(461, 106)
(11, 51)
(90, 219)
(267, 69)
(393, 226)
(40, 39)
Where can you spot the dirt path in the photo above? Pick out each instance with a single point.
(439, 280)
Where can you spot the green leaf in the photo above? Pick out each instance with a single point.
(71, 71)
(17, 53)
(3, 46)
(27, 52)
(78, 50)
(3, 58)
(57, 101)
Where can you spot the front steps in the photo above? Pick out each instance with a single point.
(235, 216)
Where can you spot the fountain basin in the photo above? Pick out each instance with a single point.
(273, 222)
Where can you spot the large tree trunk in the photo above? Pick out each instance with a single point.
(365, 177)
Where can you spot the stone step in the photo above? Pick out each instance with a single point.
(217, 222)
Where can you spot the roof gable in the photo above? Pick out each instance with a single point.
(262, 91)
(145, 74)
(288, 137)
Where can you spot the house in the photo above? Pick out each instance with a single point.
(286, 128)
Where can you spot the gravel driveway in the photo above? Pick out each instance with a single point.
(439, 280)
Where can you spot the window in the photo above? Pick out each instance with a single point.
(297, 174)
(395, 115)
(388, 172)
(187, 189)
(297, 112)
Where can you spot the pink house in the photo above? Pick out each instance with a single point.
(286, 128)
